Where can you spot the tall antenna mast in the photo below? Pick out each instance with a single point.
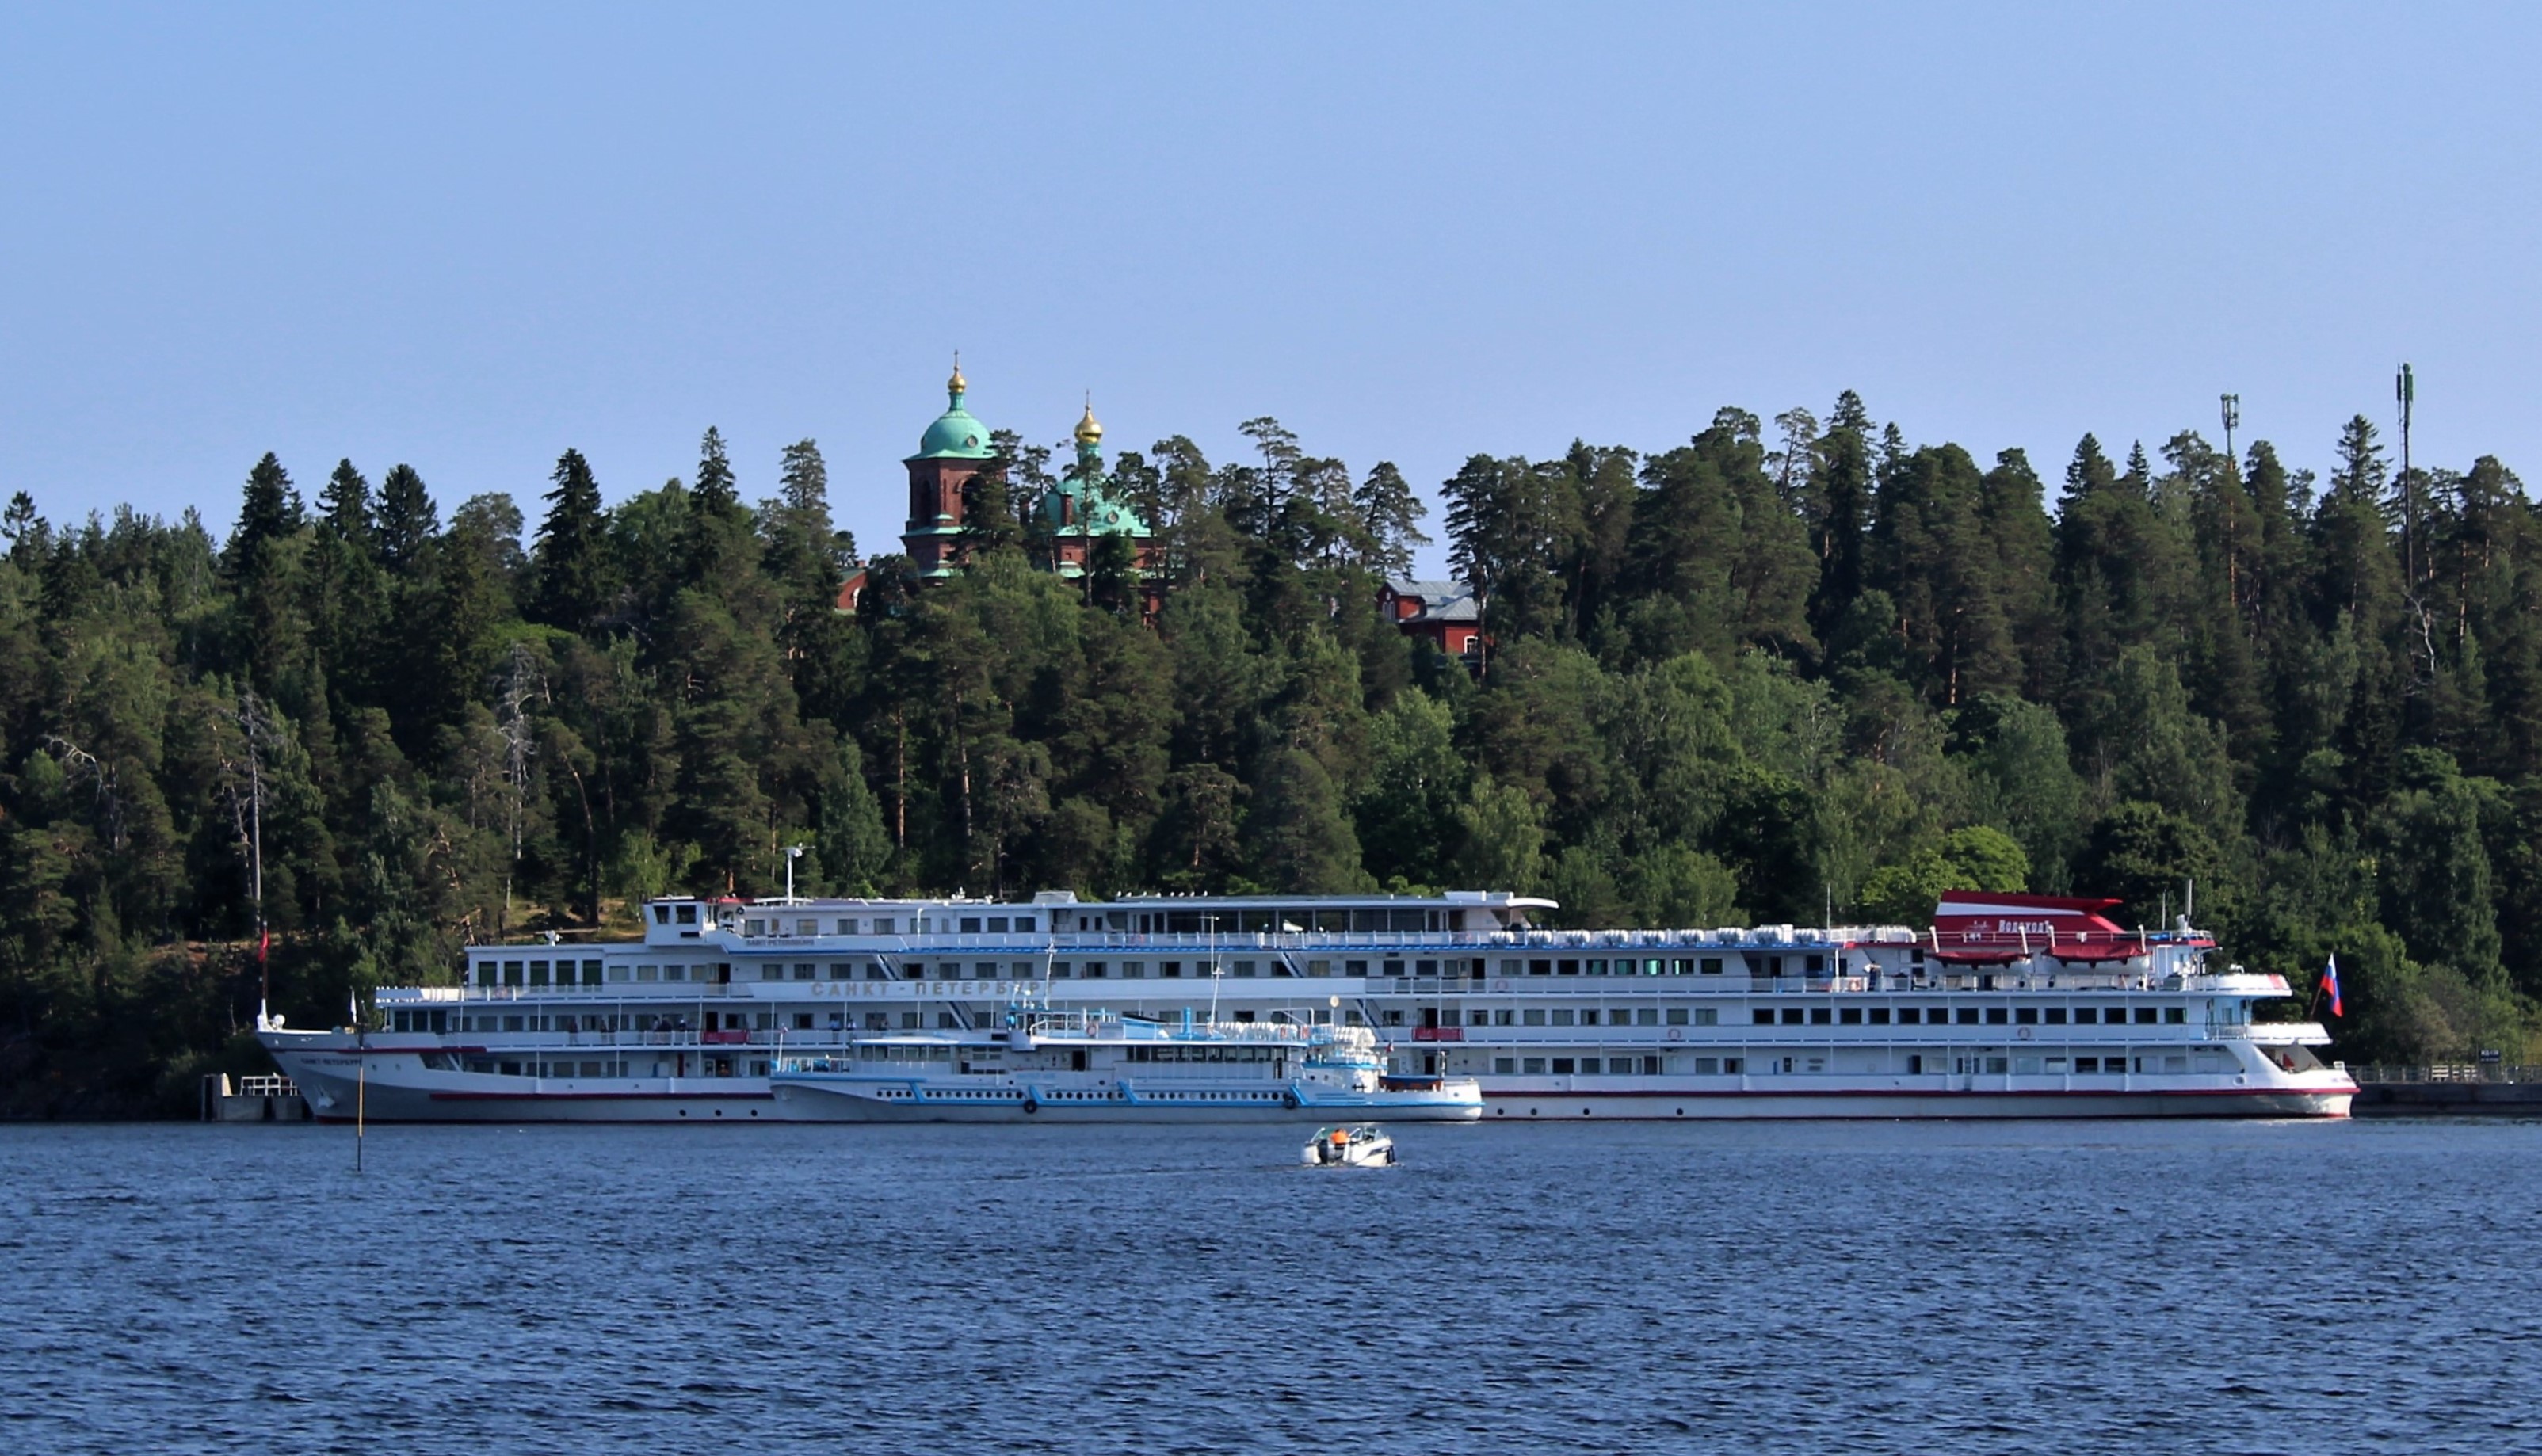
(2405, 390)
(2232, 419)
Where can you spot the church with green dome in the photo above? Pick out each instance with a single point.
(1071, 518)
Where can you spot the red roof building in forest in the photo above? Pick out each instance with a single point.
(1443, 611)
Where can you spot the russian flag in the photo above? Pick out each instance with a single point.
(2330, 983)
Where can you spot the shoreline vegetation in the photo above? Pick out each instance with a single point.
(1778, 670)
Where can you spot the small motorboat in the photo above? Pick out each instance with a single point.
(1363, 1145)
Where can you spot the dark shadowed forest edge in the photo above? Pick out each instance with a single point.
(1744, 679)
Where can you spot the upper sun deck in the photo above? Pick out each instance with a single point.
(1058, 913)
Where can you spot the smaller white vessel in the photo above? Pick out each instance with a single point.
(1364, 1145)
(1081, 1067)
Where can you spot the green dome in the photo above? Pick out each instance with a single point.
(955, 435)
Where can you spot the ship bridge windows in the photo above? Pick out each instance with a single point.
(512, 973)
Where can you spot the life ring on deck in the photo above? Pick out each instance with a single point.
(2025, 1033)
(1676, 1034)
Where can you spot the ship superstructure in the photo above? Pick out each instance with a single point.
(2005, 1006)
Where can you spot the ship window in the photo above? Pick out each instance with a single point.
(1589, 1018)
(2056, 1016)
(2145, 1016)
(802, 1021)
(1968, 1016)
(1908, 1015)
(2176, 1015)
(803, 971)
(511, 973)
(1817, 965)
(1707, 1016)
(884, 927)
(1094, 969)
(847, 927)
(2087, 1064)
(1243, 968)
(2115, 1016)
(2026, 1015)
(1534, 1065)
(984, 971)
(1731, 1066)
(1851, 1016)
(772, 973)
(1539, 967)
(908, 1021)
(1792, 1016)
(1171, 969)
(1394, 968)
(661, 914)
(1354, 967)
(511, 1022)
(1646, 1016)
(1998, 1015)
(1478, 1018)
(2085, 1016)
(1597, 968)
(1676, 1016)
(1134, 969)
(996, 924)
(1394, 1018)
(1562, 1016)
(1562, 1067)
(1879, 1016)
(1707, 1067)
(1764, 1016)
(1504, 1066)
(1711, 964)
(649, 973)
(754, 927)
(1425, 967)
(944, 1022)
(1532, 1016)
(1502, 1018)
(591, 972)
(970, 924)
(1997, 1065)
(678, 972)
(687, 915)
(2175, 1063)
(1567, 968)
(1822, 1015)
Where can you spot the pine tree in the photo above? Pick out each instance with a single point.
(571, 561)
(409, 522)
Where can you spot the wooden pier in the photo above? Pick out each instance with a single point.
(2448, 1089)
(258, 1099)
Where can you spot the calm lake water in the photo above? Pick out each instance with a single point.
(2242, 1287)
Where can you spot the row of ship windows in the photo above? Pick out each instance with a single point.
(557, 973)
(1980, 1064)
(1556, 1016)
(1970, 1015)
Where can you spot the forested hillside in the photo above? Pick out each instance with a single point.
(1756, 676)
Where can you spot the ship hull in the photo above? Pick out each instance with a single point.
(398, 1090)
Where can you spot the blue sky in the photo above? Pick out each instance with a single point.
(470, 237)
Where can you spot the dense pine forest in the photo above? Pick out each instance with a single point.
(1767, 675)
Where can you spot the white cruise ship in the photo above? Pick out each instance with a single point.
(2008, 1005)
